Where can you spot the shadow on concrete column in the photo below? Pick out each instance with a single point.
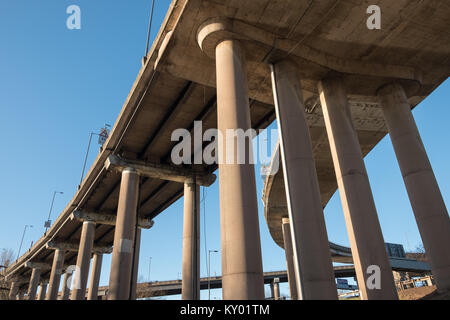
(241, 247)
(55, 276)
(363, 227)
(81, 273)
(190, 289)
(423, 191)
(124, 236)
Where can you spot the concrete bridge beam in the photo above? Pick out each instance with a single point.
(34, 283)
(308, 231)
(55, 275)
(81, 273)
(95, 276)
(363, 226)
(289, 259)
(425, 196)
(191, 243)
(42, 290)
(124, 237)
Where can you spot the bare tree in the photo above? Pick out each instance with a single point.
(6, 258)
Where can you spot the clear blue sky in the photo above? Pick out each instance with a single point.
(57, 86)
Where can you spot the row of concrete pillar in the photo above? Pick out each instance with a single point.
(311, 261)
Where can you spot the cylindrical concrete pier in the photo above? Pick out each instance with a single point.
(373, 271)
(311, 250)
(289, 259)
(276, 289)
(34, 283)
(13, 291)
(190, 289)
(95, 276)
(55, 275)
(65, 292)
(425, 196)
(42, 290)
(241, 247)
(124, 236)
(81, 273)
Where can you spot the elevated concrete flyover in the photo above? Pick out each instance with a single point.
(180, 82)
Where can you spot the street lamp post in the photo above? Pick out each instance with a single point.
(104, 133)
(21, 242)
(209, 272)
(48, 222)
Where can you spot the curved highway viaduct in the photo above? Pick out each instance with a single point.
(220, 62)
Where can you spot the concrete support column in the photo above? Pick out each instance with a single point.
(124, 236)
(34, 283)
(55, 276)
(42, 290)
(137, 252)
(190, 289)
(289, 259)
(308, 231)
(425, 196)
(95, 276)
(65, 292)
(81, 272)
(364, 231)
(21, 295)
(276, 289)
(13, 291)
(241, 247)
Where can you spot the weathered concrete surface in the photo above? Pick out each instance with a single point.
(55, 275)
(81, 273)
